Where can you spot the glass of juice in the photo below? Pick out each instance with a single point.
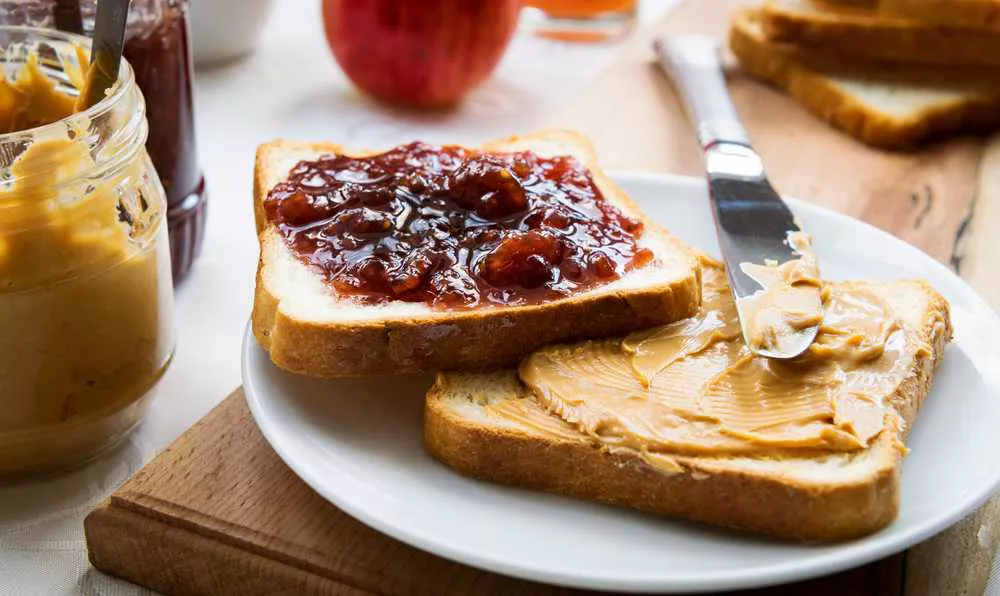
(583, 20)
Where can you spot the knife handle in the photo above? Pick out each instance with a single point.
(692, 62)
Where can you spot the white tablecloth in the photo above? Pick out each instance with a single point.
(290, 87)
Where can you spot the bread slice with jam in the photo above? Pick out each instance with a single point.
(309, 325)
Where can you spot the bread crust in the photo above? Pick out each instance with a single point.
(867, 34)
(971, 14)
(783, 65)
(733, 499)
(760, 501)
(454, 340)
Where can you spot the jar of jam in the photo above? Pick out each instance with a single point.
(157, 45)
(85, 282)
(158, 48)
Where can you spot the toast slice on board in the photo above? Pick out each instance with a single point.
(808, 493)
(883, 106)
(868, 34)
(308, 328)
(970, 14)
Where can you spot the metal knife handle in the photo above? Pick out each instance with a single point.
(692, 62)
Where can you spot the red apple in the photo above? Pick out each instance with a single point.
(418, 52)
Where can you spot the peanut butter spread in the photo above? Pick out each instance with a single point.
(33, 99)
(85, 287)
(693, 387)
(787, 304)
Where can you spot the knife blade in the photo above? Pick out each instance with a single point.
(773, 273)
(106, 52)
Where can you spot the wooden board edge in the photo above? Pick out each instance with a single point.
(179, 562)
(975, 255)
(958, 560)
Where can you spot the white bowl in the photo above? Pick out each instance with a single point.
(226, 29)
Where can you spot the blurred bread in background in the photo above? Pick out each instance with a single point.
(972, 14)
(890, 73)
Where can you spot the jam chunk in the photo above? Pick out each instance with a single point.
(454, 227)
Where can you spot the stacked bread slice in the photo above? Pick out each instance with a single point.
(309, 328)
(493, 426)
(892, 73)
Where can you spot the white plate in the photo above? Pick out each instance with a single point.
(358, 444)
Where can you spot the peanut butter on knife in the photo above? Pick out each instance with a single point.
(787, 305)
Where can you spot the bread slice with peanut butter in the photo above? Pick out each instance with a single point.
(681, 421)
(311, 326)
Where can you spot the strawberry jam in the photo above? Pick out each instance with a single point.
(454, 227)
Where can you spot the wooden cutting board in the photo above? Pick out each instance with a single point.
(219, 513)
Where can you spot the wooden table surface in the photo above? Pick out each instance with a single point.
(219, 513)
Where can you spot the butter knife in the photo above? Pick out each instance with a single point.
(772, 271)
(106, 50)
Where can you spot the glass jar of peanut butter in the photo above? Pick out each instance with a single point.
(158, 49)
(86, 326)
